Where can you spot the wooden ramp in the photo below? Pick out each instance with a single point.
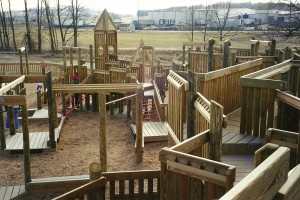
(152, 131)
(10, 192)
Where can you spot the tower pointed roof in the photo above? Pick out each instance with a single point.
(105, 23)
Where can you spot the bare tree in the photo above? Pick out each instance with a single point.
(50, 26)
(39, 11)
(28, 34)
(12, 26)
(63, 15)
(4, 28)
(219, 17)
(76, 11)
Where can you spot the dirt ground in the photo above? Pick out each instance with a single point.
(78, 147)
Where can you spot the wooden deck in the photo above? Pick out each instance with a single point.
(152, 131)
(10, 192)
(38, 140)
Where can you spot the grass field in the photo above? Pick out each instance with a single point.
(158, 39)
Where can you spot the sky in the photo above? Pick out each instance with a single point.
(122, 6)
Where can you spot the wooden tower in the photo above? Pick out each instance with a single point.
(105, 38)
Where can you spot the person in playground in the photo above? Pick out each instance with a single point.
(7, 122)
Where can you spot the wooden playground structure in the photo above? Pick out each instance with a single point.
(223, 108)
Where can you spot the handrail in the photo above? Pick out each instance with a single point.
(288, 99)
(83, 190)
(177, 80)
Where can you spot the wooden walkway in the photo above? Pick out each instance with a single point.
(153, 131)
(10, 192)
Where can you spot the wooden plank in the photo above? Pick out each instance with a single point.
(288, 98)
(13, 100)
(263, 83)
(264, 176)
(236, 139)
(8, 192)
(227, 137)
(11, 85)
(16, 191)
(2, 192)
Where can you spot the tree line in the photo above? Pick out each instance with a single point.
(40, 26)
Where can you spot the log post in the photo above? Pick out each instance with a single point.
(102, 134)
(192, 96)
(254, 49)
(71, 57)
(39, 99)
(21, 62)
(52, 142)
(87, 102)
(280, 56)
(2, 133)
(183, 54)
(139, 124)
(26, 144)
(95, 174)
(226, 53)
(215, 131)
(10, 115)
(26, 61)
(64, 56)
(210, 62)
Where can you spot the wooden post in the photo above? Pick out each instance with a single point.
(87, 102)
(91, 62)
(183, 54)
(39, 99)
(55, 111)
(52, 142)
(139, 124)
(26, 143)
(215, 131)
(21, 62)
(10, 115)
(26, 61)
(95, 102)
(2, 133)
(226, 53)
(273, 47)
(71, 57)
(287, 53)
(79, 57)
(210, 50)
(102, 134)
(192, 96)
(95, 173)
(280, 56)
(254, 49)
(65, 56)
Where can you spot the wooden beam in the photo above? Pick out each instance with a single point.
(26, 144)
(11, 85)
(13, 100)
(192, 143)
(94, 88)
(229, 70)
(52, 142)
(139, 124)
(288, 99)
(102, 134)
(28, 78)
(264, 83)
(215, 131)
(2, 133)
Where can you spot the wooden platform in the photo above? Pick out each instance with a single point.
(236, 143)
(152, 131)
(38, 140)
(243, 163)
(10, 192)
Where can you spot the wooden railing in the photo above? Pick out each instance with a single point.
(258, 96)
(185, 173)
(143, 184)
(198, 62)
(32, 69)
(177, 106)
(223, 85)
